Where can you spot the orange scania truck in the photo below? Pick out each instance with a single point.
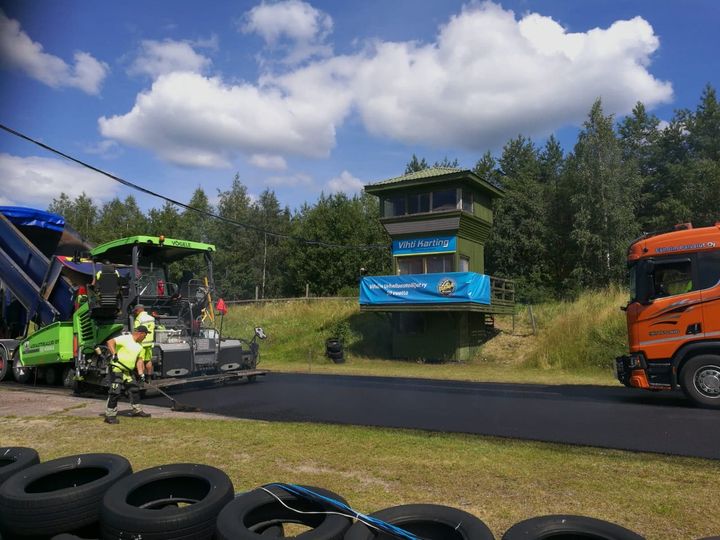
(673, 316)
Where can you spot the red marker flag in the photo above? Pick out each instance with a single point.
(221, 307)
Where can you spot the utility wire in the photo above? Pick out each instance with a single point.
(137, 187)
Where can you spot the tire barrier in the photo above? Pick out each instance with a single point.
(424, 521)
(273, 505)
(14, 459)
(61, 495)
(566, 526)
(167, 502)
(96, 496)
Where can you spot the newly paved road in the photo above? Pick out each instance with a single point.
(609, 417)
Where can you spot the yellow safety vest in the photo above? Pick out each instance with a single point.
(148, 321)
(127, 350)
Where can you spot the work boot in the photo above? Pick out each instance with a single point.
(111, 420)
(140, 414)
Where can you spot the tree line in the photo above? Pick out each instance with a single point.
(564, 224)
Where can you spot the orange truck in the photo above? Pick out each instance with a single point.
(673, 316)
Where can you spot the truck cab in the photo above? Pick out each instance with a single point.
(673, 315)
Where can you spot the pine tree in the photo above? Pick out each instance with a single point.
(604, 193)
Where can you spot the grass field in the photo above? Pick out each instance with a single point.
(500, 481)
(574, 342)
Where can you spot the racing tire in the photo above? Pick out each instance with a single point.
(700, 380)
(179, 501)
(58, 496)
(432, 521)
(568, 526)
(253, 509)
(14, 459)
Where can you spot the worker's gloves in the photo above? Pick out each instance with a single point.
(141, 379)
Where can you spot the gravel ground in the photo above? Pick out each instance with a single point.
(16, 400)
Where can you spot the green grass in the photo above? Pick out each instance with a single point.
(501, 481)
(576, 342)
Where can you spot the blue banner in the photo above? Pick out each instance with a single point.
(431, 244)
(451, 287)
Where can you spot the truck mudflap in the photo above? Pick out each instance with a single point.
(634, 371)
(212, 379)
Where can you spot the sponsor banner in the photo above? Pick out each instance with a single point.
(451, 287)
(431, 244)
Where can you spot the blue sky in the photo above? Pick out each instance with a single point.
(305, 97)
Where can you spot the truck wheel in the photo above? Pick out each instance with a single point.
(60, 495)
(22, 374)
(4, 362)
(700, 380)
(52, 375)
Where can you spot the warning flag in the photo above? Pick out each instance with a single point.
(221, 307)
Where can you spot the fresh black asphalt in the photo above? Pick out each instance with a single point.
(607, 417)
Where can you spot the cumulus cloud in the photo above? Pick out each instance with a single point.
(489, 76)
(486, 77)
(345, 183)
(266, 161)
(36, 181)
(193, 120)
(292, 26)
(106, 148)
(160, 57)
(18, 51)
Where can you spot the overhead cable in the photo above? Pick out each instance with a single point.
(206, 213)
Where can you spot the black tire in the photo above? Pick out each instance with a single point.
(59, 496)
(567, 526)
(700, 380)
(146, 503)
(53, 375)
(14, 459)
(22, 374)
(430, 521)
(255, 508)
(4, 362)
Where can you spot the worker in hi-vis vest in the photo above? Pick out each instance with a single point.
(143, 318)
(127, 369)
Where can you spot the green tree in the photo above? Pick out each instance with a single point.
(81, 213)
(164, 221)
(518, 244)
(604, 192)
(415, 165)
(337, 219)
(119, 219)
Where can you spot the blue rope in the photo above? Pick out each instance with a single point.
(383, 526)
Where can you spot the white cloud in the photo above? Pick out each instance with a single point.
(292, 26)
(105, 148)
(291, 180)
(193, 120)
(267, 161)
(18, 51)
(36, 181)
(489, 76)
(345, 183)
(159, 57)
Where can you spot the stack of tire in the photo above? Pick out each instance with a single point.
(91, 496)
(334, 350)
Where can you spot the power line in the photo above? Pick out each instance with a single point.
(137, 187)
